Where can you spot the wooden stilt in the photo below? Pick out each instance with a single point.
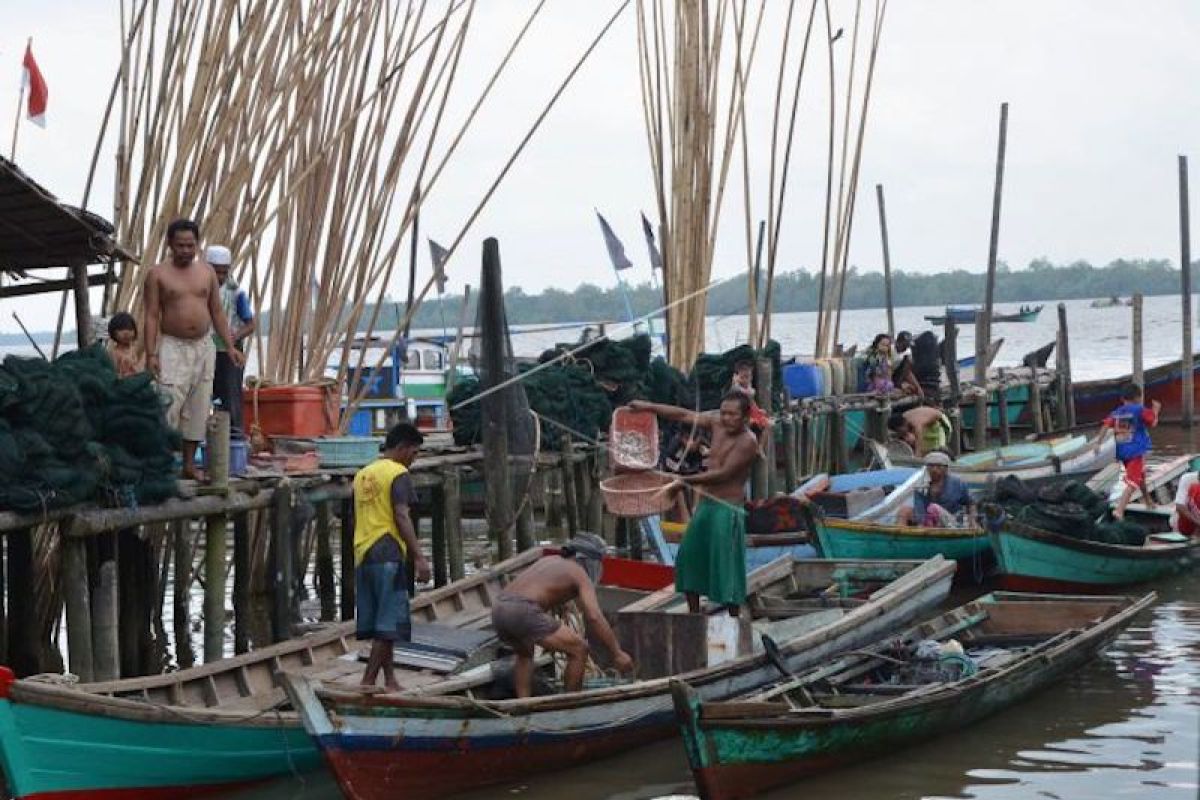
(78, 603)
(568, 483)
(1037, 407)
(214, 585)
(437, 519)
(106, 656)
(789, 454)
(241, 582)
(452, 514)
(346, 520)
(326, 585)
(181, 600)
(494, 333)
(282, 563)
(553, 493)
(22, 646)
(981, 399)
(1002, 411)
(1138, 369)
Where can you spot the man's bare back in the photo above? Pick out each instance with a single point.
(550, 582)
(183, 297)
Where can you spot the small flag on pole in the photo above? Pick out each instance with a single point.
(616, 250)
(655, 256)
(35, 84)
(438, 255)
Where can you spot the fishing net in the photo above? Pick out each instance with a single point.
(1071, 509)
(72, 432)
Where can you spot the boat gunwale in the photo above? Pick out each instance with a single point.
(1020, 530)
(922, 576)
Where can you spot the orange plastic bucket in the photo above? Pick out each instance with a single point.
(291, 410)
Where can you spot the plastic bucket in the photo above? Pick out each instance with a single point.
(304, 411)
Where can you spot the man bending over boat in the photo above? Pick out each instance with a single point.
(383, 536)
(521, 615)
(712, 557)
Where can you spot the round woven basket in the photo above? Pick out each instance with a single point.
(636, 494)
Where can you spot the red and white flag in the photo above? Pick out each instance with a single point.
(35, 85)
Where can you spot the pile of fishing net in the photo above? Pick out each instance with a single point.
(579, 391)
(1070, 509)
(72, 432)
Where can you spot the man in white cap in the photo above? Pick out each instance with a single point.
(227, 376)
(944, 498)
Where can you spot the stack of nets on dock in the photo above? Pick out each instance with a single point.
(579, 391)
(71, 432)
(1071, 509)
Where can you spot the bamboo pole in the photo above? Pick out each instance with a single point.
(1185, 266)
(1138, 377)
(994, 239)
(214, 587)
(887, 262)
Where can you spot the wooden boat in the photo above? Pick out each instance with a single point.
(839, 538)
(866, 704)
(224, 724)
(424, 744)
(1109, 302)
(1095, 400)
(872, 494)
(1035, 463)
(1031, 559)
(965, 315)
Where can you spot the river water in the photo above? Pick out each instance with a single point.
(1126, 725)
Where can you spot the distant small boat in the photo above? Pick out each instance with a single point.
(1110, 302)
(965, 315)
(869, 703)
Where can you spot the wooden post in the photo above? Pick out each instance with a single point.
(595, 509)
(78, 603)
(838, 456)
(789, 454)
(218, 451)
(83, 309)
(1064, 352)
(22, 644)
(241, 582)
(956, 431)
(326, 584)
(994, 240)
(1138, 376)
(580, 474)
(981, 400)
(1185, 268)
(214, 584)
(346, 524)
(452, 514)
(494, 333)
(552, 492)
(1037, 409)
(437, 526)
(1002, 414)
(136, 573)
(767, 479)
(806, 445)
(887, 263)
(106, 651)
(282, 563)
(181, 594)
(950, 359)
(568, 485)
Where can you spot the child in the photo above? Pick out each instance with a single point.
(743, 382)
(122, 334)
(1129, 423)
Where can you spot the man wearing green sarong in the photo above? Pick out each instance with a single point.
(712, 558)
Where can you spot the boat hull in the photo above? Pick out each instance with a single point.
(1031, 560)
(1095, 400)
(65, 754)
(847, 539)
(734, 759)
(387, 747)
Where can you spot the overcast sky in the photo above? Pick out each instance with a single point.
(1102, 98)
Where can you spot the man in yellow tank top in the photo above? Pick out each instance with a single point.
(383, 537)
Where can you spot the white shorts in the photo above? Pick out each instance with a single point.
(186, 377)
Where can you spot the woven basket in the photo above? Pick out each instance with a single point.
(636, 494)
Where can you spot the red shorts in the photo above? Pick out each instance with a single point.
(1186, 526)
(1135, 471)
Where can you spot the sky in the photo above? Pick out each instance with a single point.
(1102, 101)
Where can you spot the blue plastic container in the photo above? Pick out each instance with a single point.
(360, 423)
(803, 380)
(239, 456)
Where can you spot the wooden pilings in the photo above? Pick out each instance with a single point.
(282, 564)
(214, 586)
(1185, 267)
(1138, 369)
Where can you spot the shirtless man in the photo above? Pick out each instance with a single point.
(712, 558)
(924, 428)
(182, 305)
(520, 614)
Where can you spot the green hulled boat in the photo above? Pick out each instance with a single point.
(871, 703)
(1030, 559)
(852, 539)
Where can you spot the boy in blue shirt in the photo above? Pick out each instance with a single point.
(1129, 424)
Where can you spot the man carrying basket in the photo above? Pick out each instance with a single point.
(712, 557)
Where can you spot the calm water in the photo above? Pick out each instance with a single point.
(1127, 725)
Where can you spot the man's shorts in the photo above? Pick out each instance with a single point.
(381, 598)
(186, 376)
(520, 622)
(1135, 471)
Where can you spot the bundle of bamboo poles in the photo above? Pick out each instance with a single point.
(306, 136)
